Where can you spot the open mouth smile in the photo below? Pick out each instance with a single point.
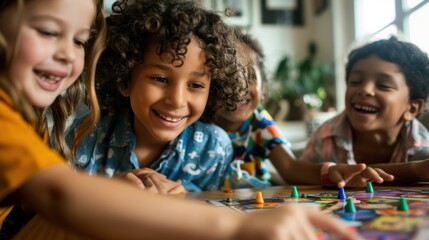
(48, 77)
(170, 118)
(365, 109)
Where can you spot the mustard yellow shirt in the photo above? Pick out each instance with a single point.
(22, 152)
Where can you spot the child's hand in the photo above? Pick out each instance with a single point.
(152, 181)
(291, 222)
(357, 175)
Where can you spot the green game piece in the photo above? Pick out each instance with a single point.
(369, 188)
(294, 193)
(350, 206)
(403, 205)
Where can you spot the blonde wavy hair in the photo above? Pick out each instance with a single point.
(64, 105)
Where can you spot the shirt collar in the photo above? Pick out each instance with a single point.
(338, 127)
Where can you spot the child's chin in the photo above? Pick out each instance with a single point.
(42, 103)
(240, 115)
(242, 107)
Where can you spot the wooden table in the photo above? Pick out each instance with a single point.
(286, 191)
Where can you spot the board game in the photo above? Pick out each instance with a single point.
(384, 214)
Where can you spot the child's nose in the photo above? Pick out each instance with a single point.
(177, 96)
(367, 88)
(66, 51)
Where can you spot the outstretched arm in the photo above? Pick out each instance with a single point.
(107, 209)
(291, 170)
(305, 172)
(410, 172)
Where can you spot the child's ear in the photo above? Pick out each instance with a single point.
(414, 108)
(126, 92)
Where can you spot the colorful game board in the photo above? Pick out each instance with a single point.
(379, 215)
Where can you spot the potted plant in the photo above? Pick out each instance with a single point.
(301, 84)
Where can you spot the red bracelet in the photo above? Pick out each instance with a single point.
(324, 173)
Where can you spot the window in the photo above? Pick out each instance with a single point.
(369, 19)
(418, 31)
(383, 18)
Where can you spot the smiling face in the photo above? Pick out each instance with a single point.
(50, 46)
(232, 120)
(377, 96)
(166, 99)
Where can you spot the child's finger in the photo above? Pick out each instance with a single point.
(337, 178)
(331, 224)
(341, 184)
(142, 173)
(372, 175)
(384, 175)
(344, 173)
(178, 189)
(352, 170)
(158, 183)
(135, 180)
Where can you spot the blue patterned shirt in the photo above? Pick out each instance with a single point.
(199, 156)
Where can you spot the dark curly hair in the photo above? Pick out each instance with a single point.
(254, 45)
(171, 24)
(413, 62)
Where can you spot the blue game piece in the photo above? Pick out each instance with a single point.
(341, 194)
(383, 237)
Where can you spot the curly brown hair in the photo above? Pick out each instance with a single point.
(171, 24)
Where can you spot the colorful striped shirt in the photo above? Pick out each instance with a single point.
(252, 144)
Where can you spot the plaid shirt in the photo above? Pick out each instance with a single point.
(199, 156)
(333, 142)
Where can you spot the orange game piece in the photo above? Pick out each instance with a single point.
(259, 198)
(229, 190)
(227, 184)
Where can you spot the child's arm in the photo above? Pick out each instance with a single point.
(410, 172)
(305, 172)
(291, 170)
(107, 209)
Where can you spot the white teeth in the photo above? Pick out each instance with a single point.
(48, 77)
(170, 119)
(365, 108)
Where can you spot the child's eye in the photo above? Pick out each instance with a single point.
(159, 79)
(354, 82)
(384, 86)
(47, 33)
(80, 43)
(196, 85)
